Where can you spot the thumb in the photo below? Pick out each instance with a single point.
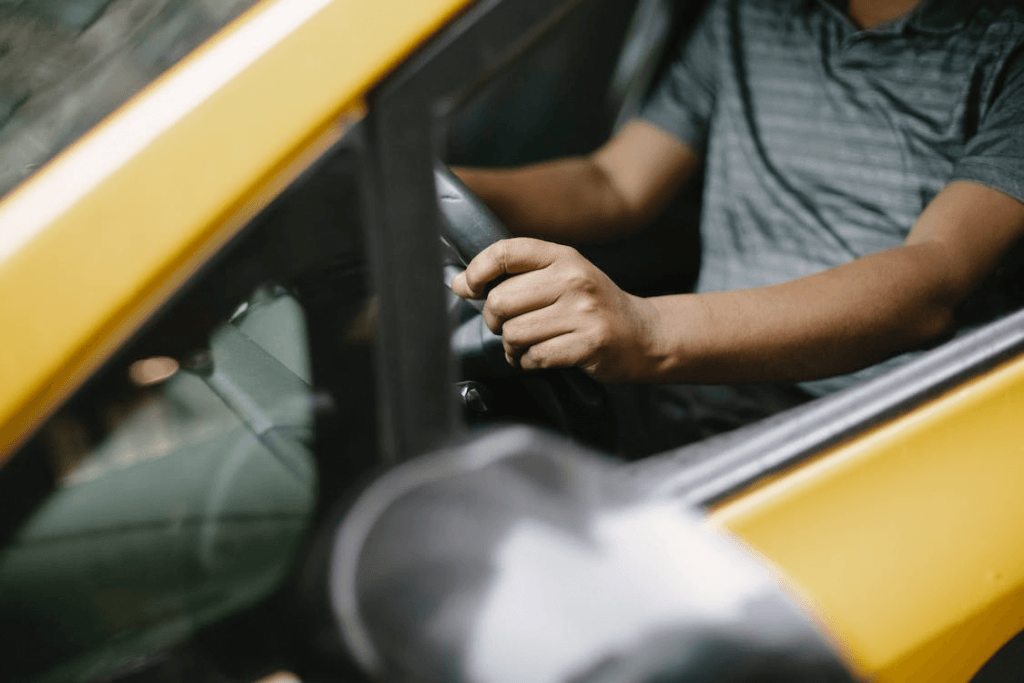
(461, 288)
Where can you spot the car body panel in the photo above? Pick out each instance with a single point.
(908, 537)
(168, 179)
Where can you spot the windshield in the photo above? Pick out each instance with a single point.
(66, 64)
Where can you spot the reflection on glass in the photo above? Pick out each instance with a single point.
(183, 495)
(150, 371)
(66, 64)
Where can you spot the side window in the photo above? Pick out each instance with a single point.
(182, 480)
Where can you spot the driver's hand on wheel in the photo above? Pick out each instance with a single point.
(558, 310)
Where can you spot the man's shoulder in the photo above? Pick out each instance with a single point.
(995, 30)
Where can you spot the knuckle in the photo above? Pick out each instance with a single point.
(511, 334)
(579, 280)
(534, 360)
(503, 254)
(492, 321)
(567, 252)
(475, 272)
(496, 303)
(587, 306)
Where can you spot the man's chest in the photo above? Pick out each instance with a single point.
(834, 110)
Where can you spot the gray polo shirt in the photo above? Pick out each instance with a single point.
(824, 143)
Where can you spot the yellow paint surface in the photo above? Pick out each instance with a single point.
(92, 274)
(909, 539)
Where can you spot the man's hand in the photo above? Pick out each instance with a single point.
(559, 310)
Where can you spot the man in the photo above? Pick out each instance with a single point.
(864, 175)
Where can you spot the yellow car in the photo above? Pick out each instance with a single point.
(220, 292)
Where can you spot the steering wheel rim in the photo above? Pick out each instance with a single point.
(572, 399)
(469, 225)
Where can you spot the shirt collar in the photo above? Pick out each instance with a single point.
(930, 16)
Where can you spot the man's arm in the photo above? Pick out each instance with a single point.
(607, 194)
(561, 311)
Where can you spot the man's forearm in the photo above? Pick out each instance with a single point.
(560, 310)
(570, 201)
(610, 193)
(831, 323)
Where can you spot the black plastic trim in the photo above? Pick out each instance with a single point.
(706, 472)
(403, 133)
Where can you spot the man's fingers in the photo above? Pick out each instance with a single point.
(518, 295)
(559, 352)
(507, 257)
(534, 327)
(459, 286)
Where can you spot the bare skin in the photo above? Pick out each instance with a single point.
(582, 200)
(869, 13)
(559, 310)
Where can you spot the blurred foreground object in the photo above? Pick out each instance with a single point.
(521, 557)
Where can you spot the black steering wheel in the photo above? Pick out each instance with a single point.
(568, 398)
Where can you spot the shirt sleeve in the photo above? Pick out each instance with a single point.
(683, 100)
(994, 155)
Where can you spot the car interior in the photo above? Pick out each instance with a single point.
(163, 516)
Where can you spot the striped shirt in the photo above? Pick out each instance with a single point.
(824, 142)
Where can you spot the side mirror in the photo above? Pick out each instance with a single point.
(518, 556)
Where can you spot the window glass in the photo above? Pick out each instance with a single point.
(179, 486)
(66, 64)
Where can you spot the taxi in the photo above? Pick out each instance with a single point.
(223, 314)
